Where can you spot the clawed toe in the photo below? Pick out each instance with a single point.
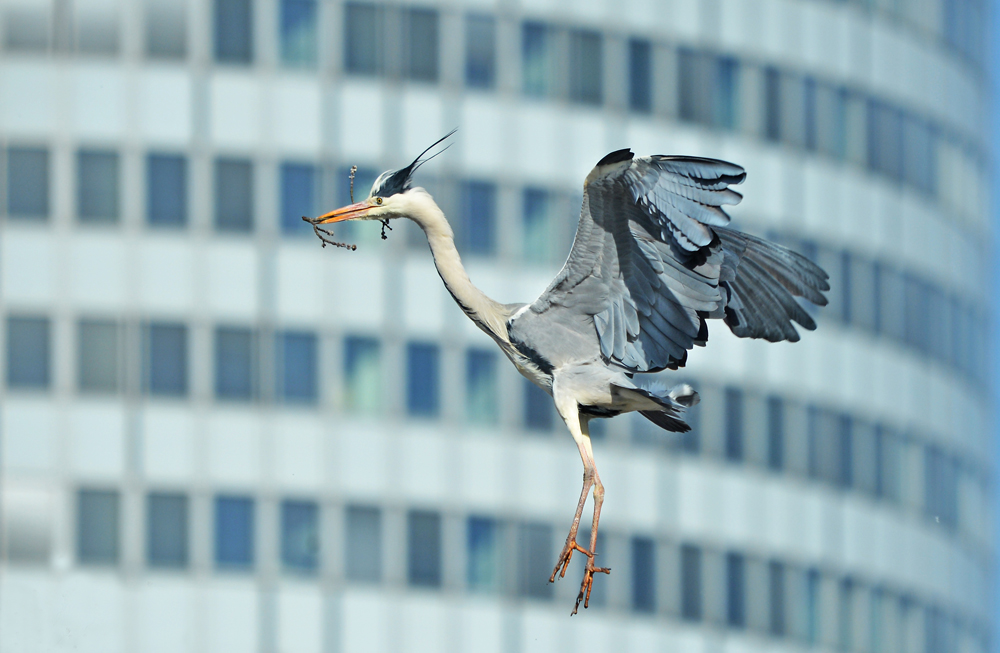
(564, 558)
(588, 583)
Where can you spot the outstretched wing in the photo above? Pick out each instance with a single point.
(652, 260)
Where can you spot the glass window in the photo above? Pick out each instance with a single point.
(28, 354)
(643, 574)
(97, 186)
(793, 109)
(481, 386)
(845, 621)
(776, 590)
(640, 75)
(233, 195)
(167, 530)
(362, 374)
(234, 532)
(892, 311)
(536, 59)
(538, 232)
(298, 32)
(482, 573)
(736, 610)
(480, 51)
(830, 120)
(27, 182)
(298, 197)
(919, 161)
(775, 433)
(96, 26)
(863, 294)
(479, 201)
(297, 371)
(812, 605)
(809, 106)
(97, 527)
(166, 190)
(586, 72)
(300, 535)
(421, 64)
(734, 424)
(233, 31)
(234, 363)
(422, 379)
(885, 136)
(26, 27)
(424, 537)
(845, 432)
(864, 459)
(538, 408)
(363, 551)
(536, 560)
(916, 302)
(97, 351)
(691, 602)
(772, 104)
(726, 93)
(166, 29)
(166, 359)
(362, 39)
(694, 86)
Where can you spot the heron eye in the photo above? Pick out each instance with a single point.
(378, 200)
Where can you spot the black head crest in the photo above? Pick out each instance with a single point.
(393, 182)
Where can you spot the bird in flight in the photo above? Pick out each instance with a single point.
(653, 260)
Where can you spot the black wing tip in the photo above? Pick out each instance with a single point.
(617, 157)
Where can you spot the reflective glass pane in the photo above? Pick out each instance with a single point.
(734, 424)
(300, 535)
(362, 375)
(166, 190)
(538, 408)
(640, 73)
(26, 28)
(362, 39)
(421, 64)
(691, 601)
(233, 31)
(298, 32)
(776, 590)
(166, 359)
(422, 379)
(299, 193)
(363, 548)
(28, 354)
(424, 548)
(535, 560)
(233, 195)
(480, 51)
(726, 93)
(97, 186)
(297, 370)
(479, 217)
(167, 530)
(775, 433)
(643, 574)
(97, 527)
(97, 26)
(481, 386)
(736, 610)
(234, 532)
(536, 71)
(538, 232)
(482, 573)
(234, 363)
(28, 182)
(166, 29)
(97, 356)
(586, 79)
(695, 73)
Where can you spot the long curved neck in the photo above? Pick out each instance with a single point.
(489, 315)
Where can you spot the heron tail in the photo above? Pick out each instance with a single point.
(672, 402)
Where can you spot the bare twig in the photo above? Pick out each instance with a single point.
(326, 236)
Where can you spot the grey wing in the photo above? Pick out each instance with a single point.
(651, 261)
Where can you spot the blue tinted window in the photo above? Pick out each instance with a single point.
(298, 32)
(234, 363)
(28, 352)
(362, 39)
(480, 51)
(538, 408)
(482, 573)
(845, 433)
(422, 379)
(97, 186)
(640, 72)
(233, 31)
(97, 524)
(538, 231)
(479, 216)
(536, 561)
(690, 583)
(166, 359)
(298, 197)
(734, 424)
(772, 104)
(481, 386)
(297, 374)
(167, 530)
(776, 589)
(536, 71)
(98, 368)
(362, 374)
(736, 610)
(643, 574)
(421, 62)
(694, 86)
(233, 195)
(775, 433)
(234, 532)
(300, 535)
(363, 546)
(586, 52)
(166, 190)
(28, 182)
(424, 537)
(726, 92)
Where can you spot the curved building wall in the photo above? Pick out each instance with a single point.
(217, 435)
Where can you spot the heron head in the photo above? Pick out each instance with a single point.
(388, 197)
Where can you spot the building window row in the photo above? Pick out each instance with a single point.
(680, 580)
(772, 432)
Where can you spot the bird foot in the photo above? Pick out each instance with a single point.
(567, 554)
(588, 583)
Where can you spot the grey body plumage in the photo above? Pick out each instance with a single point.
(652, 262)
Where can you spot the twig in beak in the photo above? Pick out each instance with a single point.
(326, 236)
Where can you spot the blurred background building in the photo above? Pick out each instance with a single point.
(218, 436)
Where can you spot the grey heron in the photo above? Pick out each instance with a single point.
(652, 262)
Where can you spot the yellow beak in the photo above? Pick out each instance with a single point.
(349, 212)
